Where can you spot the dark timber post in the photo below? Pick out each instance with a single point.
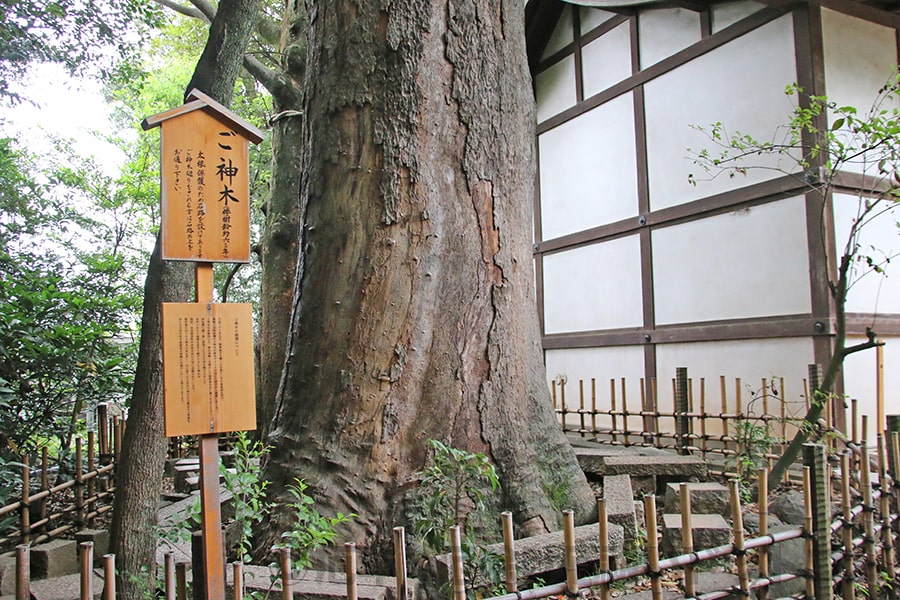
(682, 420)
(893, 425)
(814, 458)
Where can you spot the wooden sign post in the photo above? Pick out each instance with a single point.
(208, 379)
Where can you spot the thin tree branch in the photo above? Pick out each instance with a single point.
(205, 7)
(225, 287)
(276, 82)
(188, 11)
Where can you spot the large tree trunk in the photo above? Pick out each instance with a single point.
(414, 313)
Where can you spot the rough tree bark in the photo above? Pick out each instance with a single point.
(139, 475)
(413, 310)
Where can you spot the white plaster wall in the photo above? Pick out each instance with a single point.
(749, 360)
(593, 287)
(562, 35)
(860, 382)
(741, 85)
(577, 367)
(879, 239)
(729, 13)
(665, 31)
(593, 17)
(748, 263)
(588, 170)
(555, 89)
(607, 60)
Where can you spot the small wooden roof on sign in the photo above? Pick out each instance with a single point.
(197, 100)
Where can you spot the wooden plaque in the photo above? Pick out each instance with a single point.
(205, 190)
(208, 378)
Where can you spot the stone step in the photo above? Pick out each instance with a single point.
(543, 554)
(710, 531)
(619, 496)
(707, 497)
(326, 585)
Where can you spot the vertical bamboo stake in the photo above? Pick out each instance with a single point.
(45, 481)
(814, 458)
(181, 581)
(553, 395)
(723, 413)
(854, 415)
(86, 556)
(237, 580)
(848, 587)
(400, 562)
(654, 400)
(681, 410)
(594, 407)
(783, 420)
(703, 417)
(23, 572)
(762, 482)
(865, 482)
(687, 537)
(91, 487)
(109, 577)
(887, 545)
(581, 407)
(79, 481)
(603, 562)
(895, 467)
(879, 388)
(509, 552)
(652, 546)
(612, 405)
(626, 427)
(284, 557)
(26, 491)
(808, 527)
(562, 403)
(459, 580)
(571, 560)
(350, 568)
(170, 576)
(737, 522)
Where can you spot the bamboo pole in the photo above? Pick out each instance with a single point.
(91, 454)
(284, 557)
(351, 569)
(169, 574)
(237, 580)
(79, 481)
(45, 482)
(181, 581)
(570, 558)
(562, 402)
(703, 417)
(762, 482)
(86, 556)
(594, 407)
(738, 534)
(612, 405)
(723, 412)
(625, 425)
(509, 552)
(681, 410)
(687, 537)
(865, 482)
(26, 515)
(879, 388)
(109, 577)
(23, 572)
(848, 587)
(652, 546)
(459, 580)
(603, 560)
(581, 422)
(400, 562)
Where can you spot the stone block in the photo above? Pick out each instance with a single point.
(100, 538)
(710, 531)
(707, 497)
(54, 559)
(545, 553)
(672, 465)
(8, 574)
(620, 504)
(787, 557)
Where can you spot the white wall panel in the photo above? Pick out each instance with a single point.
(562, 35)
(748, 263)
(879, 239)
(729, 13)
(741, 85)
(555, 89)
(749, 360)
(593, 287)
(860, 56)
(593, 17)
(577, 367)
(665, 31)
(607, 60)
(588, 170)
(860, 376)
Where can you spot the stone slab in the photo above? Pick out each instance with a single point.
(707, 497)
(54, 558)
(327, 585)
(545, 553)
(100, 538)
(710, 531)
(681, 466)
(619, 496)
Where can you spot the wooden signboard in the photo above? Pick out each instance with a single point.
(204, 181)
(208, 376)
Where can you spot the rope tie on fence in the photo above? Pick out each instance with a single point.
(737, 591)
